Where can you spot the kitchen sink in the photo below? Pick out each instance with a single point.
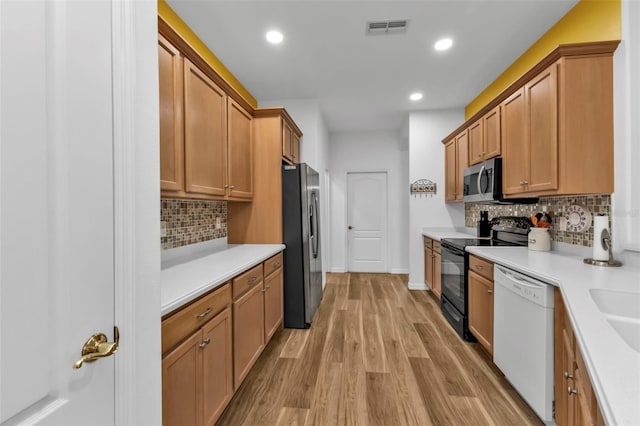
(622, 311)
(629, 330)
(618, 303)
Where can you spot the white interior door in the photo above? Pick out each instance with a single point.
(56, 211)
(367, 221)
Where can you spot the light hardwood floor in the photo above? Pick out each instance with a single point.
(376, 354)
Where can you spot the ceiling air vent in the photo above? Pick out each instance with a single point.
(387, 27)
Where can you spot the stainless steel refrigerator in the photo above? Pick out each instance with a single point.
(301, 235)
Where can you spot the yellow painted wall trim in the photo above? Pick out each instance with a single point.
(589, 20)
(172, 18)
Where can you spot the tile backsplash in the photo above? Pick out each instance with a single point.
(187, 222)
(597, 204)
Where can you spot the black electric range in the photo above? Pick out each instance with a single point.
(506, 231)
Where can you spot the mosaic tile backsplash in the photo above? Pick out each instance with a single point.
(188, 221)
(597, 204)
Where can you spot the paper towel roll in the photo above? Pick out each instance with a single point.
(600, 223)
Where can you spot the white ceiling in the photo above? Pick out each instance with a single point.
(363, 82)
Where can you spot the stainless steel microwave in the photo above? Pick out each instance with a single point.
(483, 184)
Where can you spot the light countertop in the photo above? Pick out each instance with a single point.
(440, 233)
(613, 367)
(188, 273)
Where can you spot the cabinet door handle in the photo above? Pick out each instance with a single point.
(204, 343)
(205, 313)
(276, 265)
(226, 186)
(490, 291)
(567, 375)
(571, 391)
(252, 280)
(232, 186)
(479, 267)
(524, 182)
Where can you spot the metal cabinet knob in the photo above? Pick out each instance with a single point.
(204, 343)
(567, 375)
(490, 291)
(572, 391)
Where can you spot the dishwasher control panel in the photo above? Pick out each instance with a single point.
(526, 287)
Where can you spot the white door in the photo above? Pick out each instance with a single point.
(57, 211)
(367, 221)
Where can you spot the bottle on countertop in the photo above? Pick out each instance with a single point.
(484, 226)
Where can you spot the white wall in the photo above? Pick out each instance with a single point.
(314, 150)
(426, 161)
(626, 198)
(364, 151)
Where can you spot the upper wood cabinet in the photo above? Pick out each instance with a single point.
(456, 160)
(476, 148)
(171, 116)
(290, 143)
(205, 133)
(206, 137)
(553, 126)
(530, 127)
(240, 151)
(260, 222)
(484, 137)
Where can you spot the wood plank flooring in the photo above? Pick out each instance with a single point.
(376, 354)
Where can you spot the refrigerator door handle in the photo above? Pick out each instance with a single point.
(314, 224)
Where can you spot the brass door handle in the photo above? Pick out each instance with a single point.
(98, 347)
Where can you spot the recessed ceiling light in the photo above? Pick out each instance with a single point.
(415, 96)
(274, 37)
(443, 44)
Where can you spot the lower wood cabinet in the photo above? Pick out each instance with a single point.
(432, 258)
(197, 380)
(480, 277)
(273, 302)
(576, 402)
(248, 332)
(210, 345)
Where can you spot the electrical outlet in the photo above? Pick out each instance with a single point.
(218, 223)
(562, 225)
(163, 228)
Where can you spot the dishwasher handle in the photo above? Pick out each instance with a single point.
(520, 279)
(537, 291)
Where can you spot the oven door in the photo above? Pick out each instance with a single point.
(453, 276)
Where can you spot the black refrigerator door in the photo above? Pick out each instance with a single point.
(302, 267)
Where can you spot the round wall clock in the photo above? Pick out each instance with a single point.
(578, 218)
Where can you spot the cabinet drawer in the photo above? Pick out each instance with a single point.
(481, 267)
(178, 326)
(272, 264)
(428, 242)
(244, 282)
(436, 246)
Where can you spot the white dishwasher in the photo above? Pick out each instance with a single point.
(523, 337)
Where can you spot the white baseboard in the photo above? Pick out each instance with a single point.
(418, 286)
(399, 271)
(338, 270)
